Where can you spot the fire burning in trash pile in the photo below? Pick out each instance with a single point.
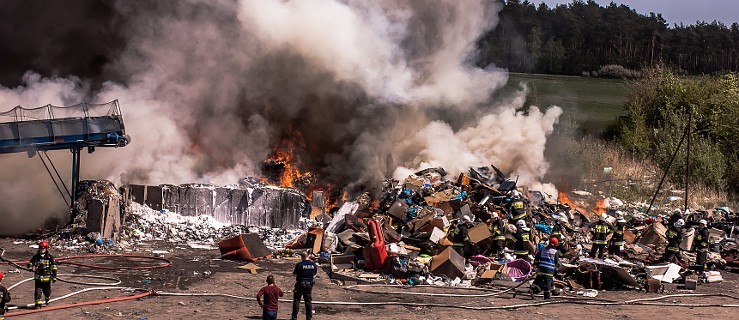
(583, 206)
(285, 169)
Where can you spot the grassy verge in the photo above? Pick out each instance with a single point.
(591, 102)
(635, 180)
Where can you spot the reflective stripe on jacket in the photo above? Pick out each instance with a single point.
(43, 266)
(546, 259)
(674, 237)
(601, 232)
(521, 246)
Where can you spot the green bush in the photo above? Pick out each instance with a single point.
(615, 71)
(657, 108)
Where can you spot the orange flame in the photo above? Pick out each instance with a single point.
(290, 173)
(284, 155)
(563, 199)
(600, 206)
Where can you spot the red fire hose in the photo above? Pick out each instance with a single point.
(81, 304)
(66, 260)
(165, 263)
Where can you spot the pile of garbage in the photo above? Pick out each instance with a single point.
(146, 224)
(482, 227)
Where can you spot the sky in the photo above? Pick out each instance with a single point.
(678, 11)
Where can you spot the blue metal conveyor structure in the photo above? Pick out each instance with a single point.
(50, 127)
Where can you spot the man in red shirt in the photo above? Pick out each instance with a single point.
(272, 294)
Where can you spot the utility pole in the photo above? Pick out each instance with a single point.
(687, 156)
(686, 133)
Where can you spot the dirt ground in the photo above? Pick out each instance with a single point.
(198, 271)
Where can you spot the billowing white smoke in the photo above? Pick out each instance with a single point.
(363, 42)
(211, 87)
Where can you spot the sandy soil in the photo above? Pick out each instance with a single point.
(197, 271)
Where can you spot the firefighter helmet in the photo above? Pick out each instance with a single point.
(553, 241)
(43, 244)
(679, 223)
(521, 224)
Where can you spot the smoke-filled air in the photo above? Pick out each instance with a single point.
(367, 90)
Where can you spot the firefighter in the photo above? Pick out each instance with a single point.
(600, 234)
(559, 230)
(674, 236)
(497, 228)
(460, 235)
(4, 298)
(518, 210)
(545, 262)
(522, 245)
(700, 245)
(44, 268)
(617, 240)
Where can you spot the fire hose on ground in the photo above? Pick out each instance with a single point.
(98, 285)
(637, 302)
(654, 301)
(82, 304)
(491, 294)
(68, 260)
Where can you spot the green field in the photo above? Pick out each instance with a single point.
(591, 102)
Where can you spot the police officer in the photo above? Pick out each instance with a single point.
(44, 268)
(600, 233)
(617, 240)
(305, 272)
(700, 244)
(522, 245)
(674, 236)
(546, 261)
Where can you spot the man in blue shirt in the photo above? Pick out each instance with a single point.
(304, 272)
(546, 266)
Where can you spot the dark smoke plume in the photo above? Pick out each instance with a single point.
(374, 88)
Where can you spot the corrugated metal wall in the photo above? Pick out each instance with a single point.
(265, 206)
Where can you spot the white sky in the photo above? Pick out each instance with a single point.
(676, 11)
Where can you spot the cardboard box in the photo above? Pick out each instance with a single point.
(448, 263)
(441, 223)
(436, 235)
(691, 282)
(492, 269)
(441, 200)
(398, 210)
(479, 233)
(654, 285)
(414, 183)
(341, 261)
(314, 240)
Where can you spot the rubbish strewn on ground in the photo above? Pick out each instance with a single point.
(427, 229)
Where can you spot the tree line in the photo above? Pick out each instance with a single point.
(582, 36)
